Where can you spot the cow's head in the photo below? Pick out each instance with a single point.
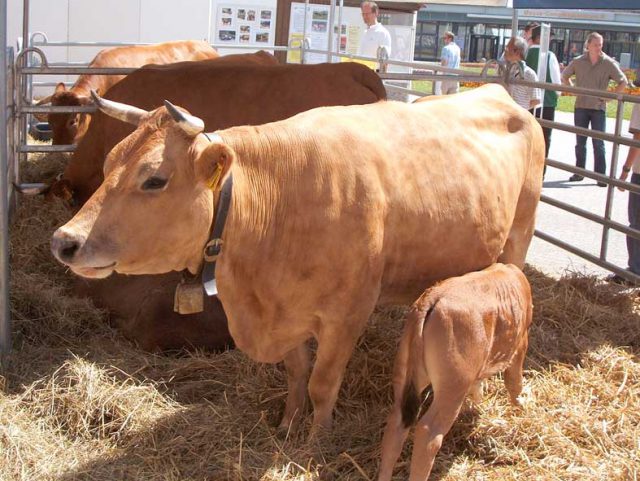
(65, 126)
(153, 212)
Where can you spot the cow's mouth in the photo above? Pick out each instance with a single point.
(95, 272)
(110, 266)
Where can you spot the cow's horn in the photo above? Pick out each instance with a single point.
(124, 112)
(190, 124)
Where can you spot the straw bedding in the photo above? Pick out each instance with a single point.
(80, 402)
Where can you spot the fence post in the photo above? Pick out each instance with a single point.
(5, 321)
(604, 244)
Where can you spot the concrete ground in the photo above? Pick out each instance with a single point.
(582, 233)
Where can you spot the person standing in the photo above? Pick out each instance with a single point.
(375, 35)
(525, 97)
(632, 164)
(528, 31)
(450, 58)
(593, 70)
(550, 101)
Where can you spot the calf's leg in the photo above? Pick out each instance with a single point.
(432, 428)
(395, 432)
(513, 374)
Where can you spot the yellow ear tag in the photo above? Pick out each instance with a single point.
(213, 182)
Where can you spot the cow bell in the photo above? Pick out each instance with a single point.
(188, 298)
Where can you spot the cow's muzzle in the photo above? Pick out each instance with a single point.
(65, 246)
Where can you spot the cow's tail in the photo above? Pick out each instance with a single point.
(411, 399)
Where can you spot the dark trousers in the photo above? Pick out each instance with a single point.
(548, 113)
(633, 245)
(597, 119)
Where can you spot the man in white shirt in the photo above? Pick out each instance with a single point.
(450, 58)
(375, 35)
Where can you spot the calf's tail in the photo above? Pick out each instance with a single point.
(411, 399)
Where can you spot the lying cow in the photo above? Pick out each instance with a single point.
(226, 91)
(143, 308)
(249, 89)
(459, 332)
(68, 128)
(332, 211)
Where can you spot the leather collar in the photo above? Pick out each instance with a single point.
(214, 246)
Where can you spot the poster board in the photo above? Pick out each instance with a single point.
(249, 24)
(347, 38)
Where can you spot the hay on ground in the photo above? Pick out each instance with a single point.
(80, 402)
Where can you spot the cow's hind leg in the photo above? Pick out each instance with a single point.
(297, 364)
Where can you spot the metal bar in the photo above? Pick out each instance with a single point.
(340, 11)
(131, 44)
(590, 133)
(514, 23)
(612, 173)
(75, 70)
(30, 148)
(46, 109)
(332, 15)
(460, 78)
(590, 216)
(591, 258)
(12, 133)
(593, 175)
(405, 90)
(5, 319)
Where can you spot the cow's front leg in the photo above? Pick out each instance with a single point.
(297, 364)
(334, 352)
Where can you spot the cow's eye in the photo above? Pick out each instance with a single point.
(154, 183)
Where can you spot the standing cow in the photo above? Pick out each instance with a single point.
(226, 91)
(68, 128)
(332, 211)
(459, 332)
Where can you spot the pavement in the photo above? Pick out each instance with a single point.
(579, 232)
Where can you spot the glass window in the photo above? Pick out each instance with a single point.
(577, 35)
(427, 28)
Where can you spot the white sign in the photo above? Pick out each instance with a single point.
(245, 24)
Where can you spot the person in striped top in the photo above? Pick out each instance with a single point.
(525, 97)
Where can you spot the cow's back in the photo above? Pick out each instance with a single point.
(249, 89)
(414, 193)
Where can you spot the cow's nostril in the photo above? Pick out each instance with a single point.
(69, 249)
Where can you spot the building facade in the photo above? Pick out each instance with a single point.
(482, 32)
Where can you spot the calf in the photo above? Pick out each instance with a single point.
(457, 333)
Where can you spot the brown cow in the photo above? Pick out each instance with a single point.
(142, 306)
(459, 332)
(68, 128)
(249, 89)
(219, 91)
(332, 212)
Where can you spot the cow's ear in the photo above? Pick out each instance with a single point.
(60, 88)
(213, 164)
